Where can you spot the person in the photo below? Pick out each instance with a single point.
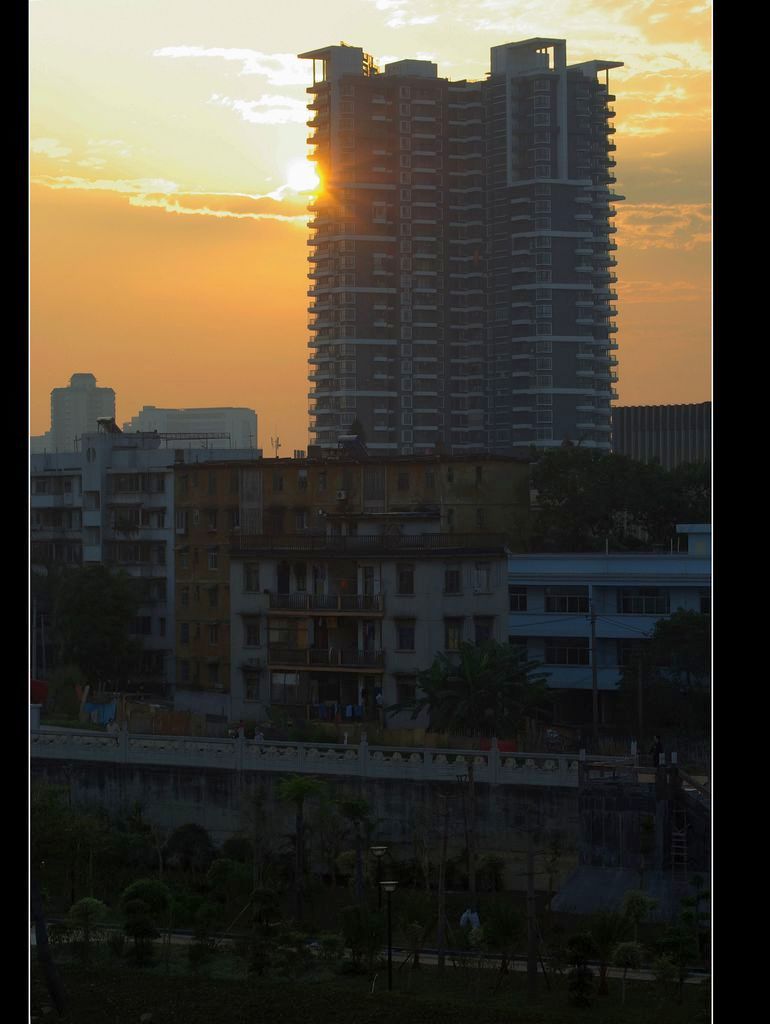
(469, 919)
(656, 750)
(259, 736)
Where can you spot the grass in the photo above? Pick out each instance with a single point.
(112, 991)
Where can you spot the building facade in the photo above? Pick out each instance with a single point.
(668, 434)
(112, 503)
(275, 525)
(338, 627)
(76, 410)
(461, 254)
(228, 427)
(554, 598)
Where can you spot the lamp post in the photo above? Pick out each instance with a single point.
(378, 852)
(390, 888)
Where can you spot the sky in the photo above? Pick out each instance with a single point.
(169, 182)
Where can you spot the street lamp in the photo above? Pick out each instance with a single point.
(378, 852)
(390, 888)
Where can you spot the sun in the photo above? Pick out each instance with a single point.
(301, 176)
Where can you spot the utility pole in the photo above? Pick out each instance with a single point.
(472, 835)
(531, 921)
(594, 675)
(275, 442)
(639, 670)
(441, 929)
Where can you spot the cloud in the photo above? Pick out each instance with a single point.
(283, 204)
(177, 205)
(644, 291)
(680, 226)
(278, 68)
(107, 184)
(49, 147)
(278, 109)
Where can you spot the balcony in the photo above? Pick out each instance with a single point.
(326, 659)
(330, 604)
(426, 543)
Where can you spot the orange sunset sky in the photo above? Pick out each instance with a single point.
(168, 141)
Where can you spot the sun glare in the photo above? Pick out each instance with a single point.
(301, 176)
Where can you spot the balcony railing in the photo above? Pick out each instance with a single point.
(327, 602)
(332, 657)
(367, 543)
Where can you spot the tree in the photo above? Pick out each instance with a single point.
(637, 907)
(84, 916)
(296, 790)
(675, 670)
(93, 611)
(607, 928)
(587, 497)
(487, 689)
(190, 847)
(143, 903)
(356, 811)
(627, 955)
(503, 928)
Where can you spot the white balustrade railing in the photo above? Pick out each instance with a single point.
(358, 759)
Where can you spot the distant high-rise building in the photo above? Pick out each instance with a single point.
(239, 423)
(670, 434)
(462, 280)
(75, 410)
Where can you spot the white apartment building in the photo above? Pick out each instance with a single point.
(229, 427)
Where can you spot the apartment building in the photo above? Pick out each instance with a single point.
(230, 517)
(338, 627)
(461, 252)
(76, 410)
(112, 502)
(557, 601)
(227, 427)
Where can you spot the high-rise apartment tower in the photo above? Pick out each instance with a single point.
(461, 260)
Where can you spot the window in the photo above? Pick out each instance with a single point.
(213, 558)
(517, 598)
(322, 480)
(277, 481)
(302, 479)
(406, 579)
(211, 519)
(705, 602)
(235, 518)
(213, 673)
(452, 580)
(566, 599)
(251, 577)
(213, 634)
(430, 479)
(482, 580)
(480, 518)
(570, 650)
(453, 634)
(251, 629)
(643, 601)
(184, 632)
(184, 597)
(406, 689)
(184, 672)
(300, 519)
(162, 626)
(483, 629)
(405, 634)
(403, 481)
(213, 597)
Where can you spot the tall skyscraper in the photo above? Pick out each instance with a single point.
(461, 260)
(75, 411)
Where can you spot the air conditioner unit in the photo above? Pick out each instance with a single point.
(341, 495)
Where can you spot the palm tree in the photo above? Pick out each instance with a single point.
(356, 810)
(295, 790)
(487, 689)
